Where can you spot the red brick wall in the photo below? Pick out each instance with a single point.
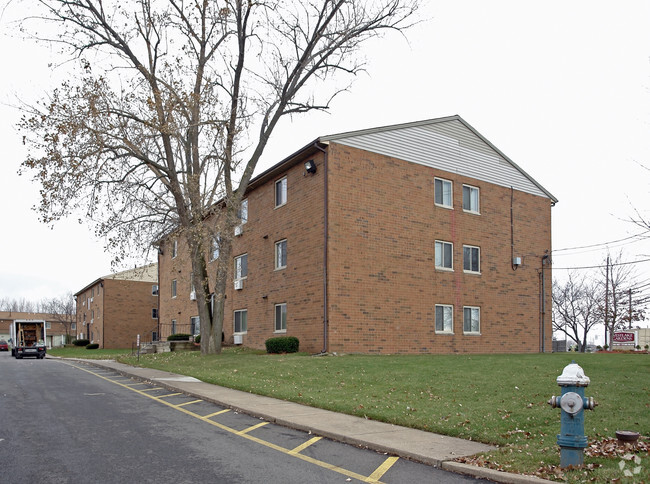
(383, 284)
(299, 285)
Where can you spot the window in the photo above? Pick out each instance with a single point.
(241, 267)
(73, 326)
(471, 259)
(443, 192)
(154, 313)
(154, 290)
(48, 325)
(192, 288)
(242, 213)
(214, 248)
(281, 254)
(174, 249)
(471, 320)
(281, 192)
(174, 288)
(173, 326)
(281, 318)
(444, 251)
(444, 318)
(470, 199)
(241, 321)
(195, 325)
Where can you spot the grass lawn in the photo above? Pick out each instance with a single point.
(82, 352)
(496, 399)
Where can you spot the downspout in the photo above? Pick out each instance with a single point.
(325, 234)
(543, 332)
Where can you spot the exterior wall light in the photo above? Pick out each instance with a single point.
(310, 166)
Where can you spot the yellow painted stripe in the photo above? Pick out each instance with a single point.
(249, 429)
(303, 446)
(145, 390)
(134, 384)
(382, 469)
(216, 413)
(188, 403)
(270, 445)
(169, 395)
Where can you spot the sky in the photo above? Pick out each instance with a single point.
(562, 88)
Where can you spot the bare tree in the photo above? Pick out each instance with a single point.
(18, 305)
(621, 304)
(173, 105)
(575, 308)
(63, 310)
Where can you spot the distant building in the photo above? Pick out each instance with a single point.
(55, 329)
(414, 238)
(114, 309)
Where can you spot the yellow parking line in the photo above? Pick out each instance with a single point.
(216, 413)
(304, 445)
(249, 429)
(252, 438)
(382, 469)
(145, 390)
(188, 403)
(169, 395)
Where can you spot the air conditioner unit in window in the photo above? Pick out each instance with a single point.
(238, 230)
(238, 339)
(239, 284)
(193, 296)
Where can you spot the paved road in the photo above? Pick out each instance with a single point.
(65, 422)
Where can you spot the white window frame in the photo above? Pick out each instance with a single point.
(174, 248)
(174, 288)
(443, 182)
(73, 326)
(154, 290)
(243, 328)
(472, 189)
(48, 325)
(215, 248)
(446, 308)
(472, 309)
(283, 321)
(195, 325)
(442, 244)
(242, 213)
(282, 184)
(173, 326)
(471, 248)
(279, 252)
(238, 276)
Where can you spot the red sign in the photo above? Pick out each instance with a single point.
(624, 337)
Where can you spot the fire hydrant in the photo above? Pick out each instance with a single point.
(572, 439)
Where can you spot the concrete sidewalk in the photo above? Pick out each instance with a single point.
(426, 447)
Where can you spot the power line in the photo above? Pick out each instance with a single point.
(602, 243)
(601, 266)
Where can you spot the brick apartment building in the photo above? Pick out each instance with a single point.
(55, 329)
(114, 309)
(414, 238)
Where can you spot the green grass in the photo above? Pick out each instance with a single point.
(496, 399)
(82, 352)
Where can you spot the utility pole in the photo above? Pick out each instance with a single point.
(629, 321)
(606, 297)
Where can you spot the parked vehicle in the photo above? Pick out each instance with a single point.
(4, 346)
(28, 338)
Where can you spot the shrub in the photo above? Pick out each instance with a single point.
(92, 346)
(81, 342)
(178, 337)
(197, 338)
(282, 344)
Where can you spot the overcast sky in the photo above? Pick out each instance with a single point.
(562, 88)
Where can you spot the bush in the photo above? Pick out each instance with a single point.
(197, 338)
(178, 337)
(81, 342)
(282, 344)
(92, 346)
